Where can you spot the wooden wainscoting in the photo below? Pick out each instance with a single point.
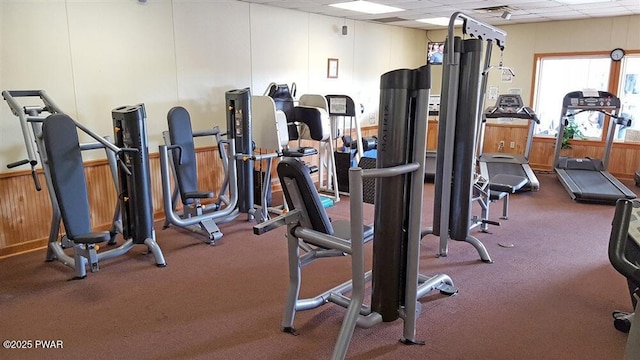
(494, 133)
(623, 161)
(508, 133)
(26, 213)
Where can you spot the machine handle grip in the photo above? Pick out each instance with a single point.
(36, 179)
(179, 148)
(17, 163)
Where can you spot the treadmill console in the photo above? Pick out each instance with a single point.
(509, 103)
(510, 106)
(591, 100)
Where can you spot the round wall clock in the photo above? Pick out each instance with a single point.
(617, 54)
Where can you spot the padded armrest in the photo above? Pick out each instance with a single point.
(92, 237)
(300, 151)
(198, 195)
(507, 183)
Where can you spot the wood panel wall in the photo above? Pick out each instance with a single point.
(25, 214)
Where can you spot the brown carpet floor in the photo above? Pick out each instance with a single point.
(550, 296)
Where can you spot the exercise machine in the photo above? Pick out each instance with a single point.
(195, 216)
(624, 254)
(396, 281)
(587, 179)
(272, 138)
(308, 119)
(463, 84)
(239, 128)
(491, 164)
(343, 108)
(63, 171)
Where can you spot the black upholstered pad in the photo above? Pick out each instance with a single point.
(92, 237)
(507, 183)
(312, 117)
(292, 169)
(184, 160)
(68, 179)
(299, 151)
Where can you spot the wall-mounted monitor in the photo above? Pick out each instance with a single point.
(435, 52)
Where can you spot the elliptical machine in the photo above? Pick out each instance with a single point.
(624, 254)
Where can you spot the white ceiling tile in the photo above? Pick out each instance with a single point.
(524, 10)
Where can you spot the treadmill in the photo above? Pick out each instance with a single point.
(587, 179)
(492, 164)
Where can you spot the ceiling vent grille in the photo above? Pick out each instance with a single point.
(389, 20)
(495, 9)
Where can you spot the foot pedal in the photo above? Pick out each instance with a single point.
(327, 202)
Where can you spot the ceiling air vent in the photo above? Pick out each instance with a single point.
(389, 20)
(495, 9)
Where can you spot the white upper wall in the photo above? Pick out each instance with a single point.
(525, 40)
(92, 56)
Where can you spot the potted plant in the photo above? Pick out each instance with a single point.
(571, 131)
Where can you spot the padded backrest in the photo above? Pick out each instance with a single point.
(67, 173)
(316, 120)
(281, 129)
(314, 100)
(269, 126)
(300, 193)
(180, 134)
(281, 95)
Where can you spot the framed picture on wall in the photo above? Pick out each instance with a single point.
(332, 68)
(435, 53)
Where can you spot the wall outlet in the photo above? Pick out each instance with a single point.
(512, 145)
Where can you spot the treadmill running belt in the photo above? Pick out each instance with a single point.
(594, 186)
(496, 168)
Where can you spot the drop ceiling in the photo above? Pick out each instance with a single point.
(522, 11)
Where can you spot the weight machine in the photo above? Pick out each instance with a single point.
(133, 214)
(463, 86)
(396, 282)
(195, 216)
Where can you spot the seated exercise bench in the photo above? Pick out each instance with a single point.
(310, 230)
(70, 188)
(497, 188)
(195, 216)
(311, 235)
(501, 185)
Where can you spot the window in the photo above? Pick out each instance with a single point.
(629, 94)
(559, 75)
